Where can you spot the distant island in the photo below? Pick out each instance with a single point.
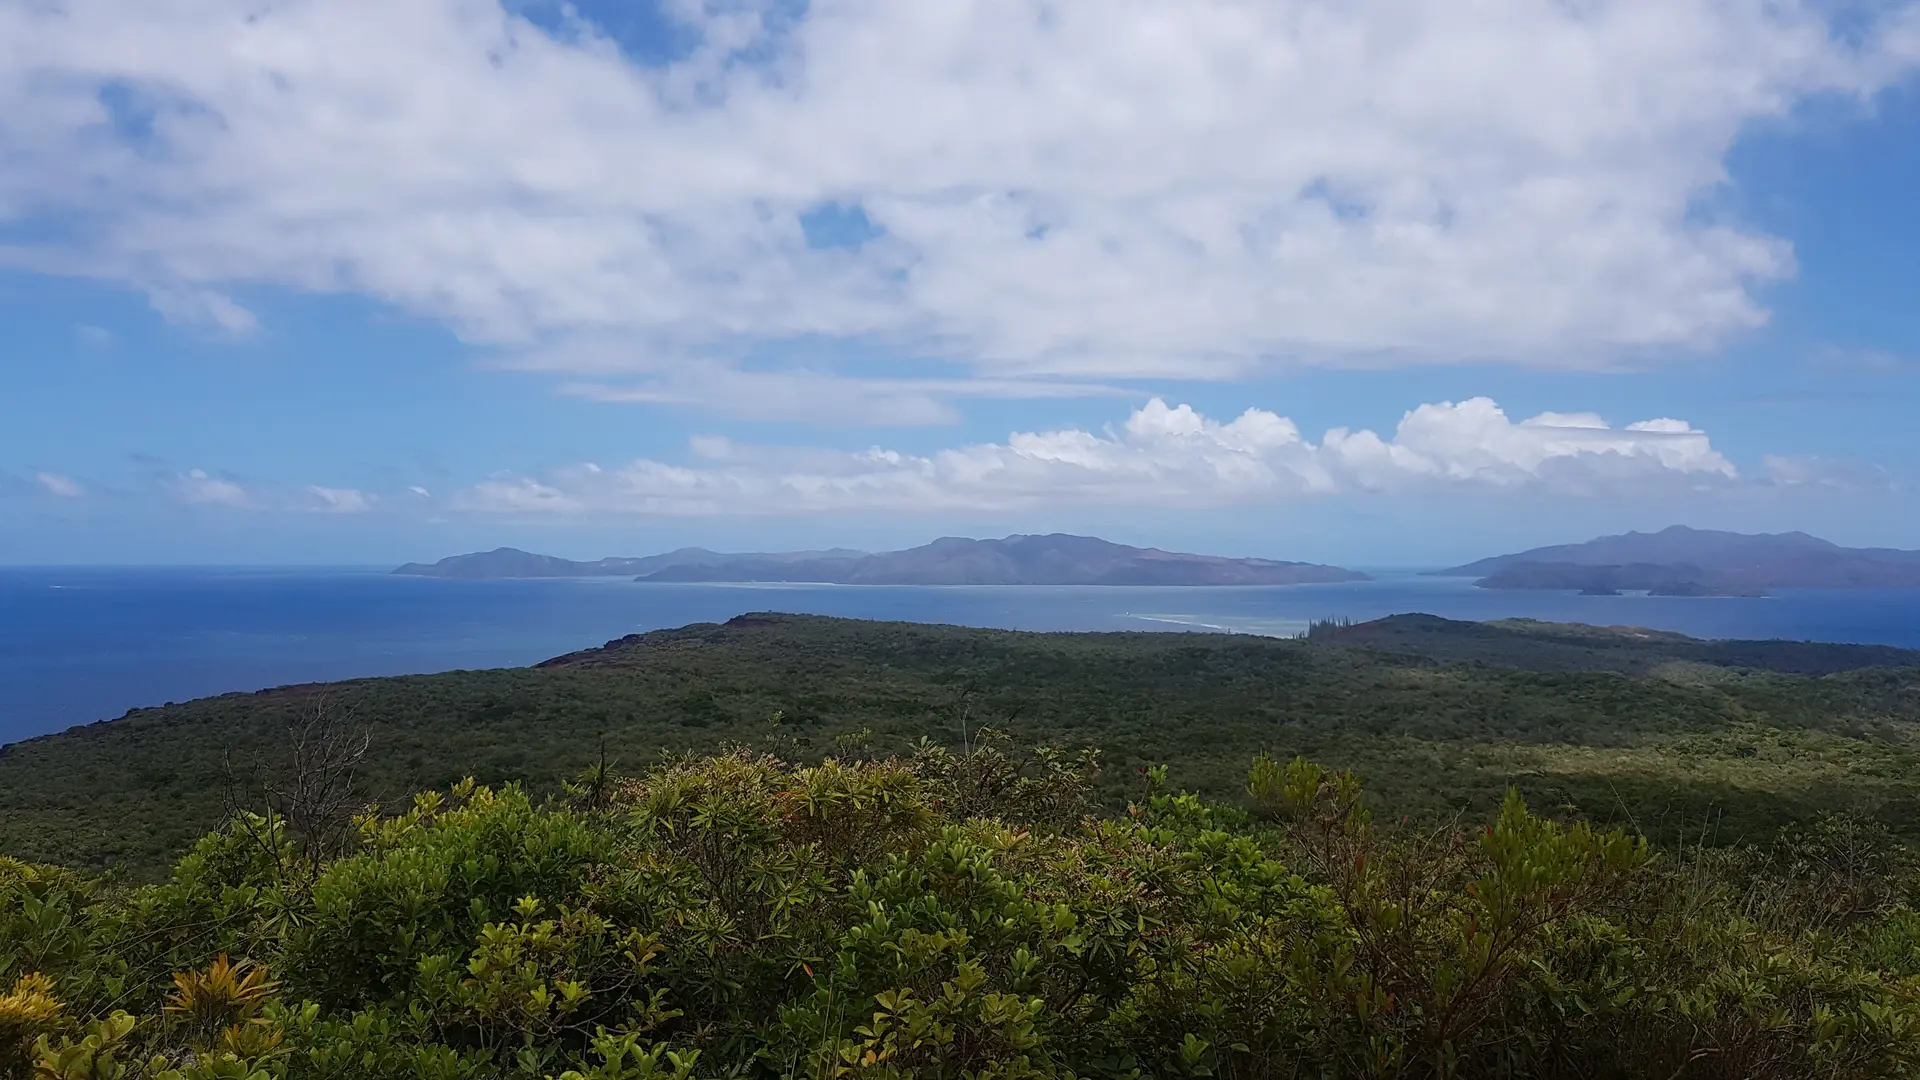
(1680, 561)
(1055, 559)
(509, 562)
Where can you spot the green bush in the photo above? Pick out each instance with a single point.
(976, 914)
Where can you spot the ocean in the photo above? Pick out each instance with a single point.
(80, 645)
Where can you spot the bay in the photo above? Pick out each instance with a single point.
(84, 644)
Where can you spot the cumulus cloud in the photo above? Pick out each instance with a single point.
(196, 486)
(339, 500)
(1095, 188)
(59, 486)
(1162, 455)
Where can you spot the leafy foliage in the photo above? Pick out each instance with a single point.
(965, 914)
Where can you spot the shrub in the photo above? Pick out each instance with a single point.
(966, 915)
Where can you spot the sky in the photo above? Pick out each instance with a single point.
(1372, 282)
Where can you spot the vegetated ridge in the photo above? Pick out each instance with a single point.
(1680, 736)
(1679, 561)
(1056, 559)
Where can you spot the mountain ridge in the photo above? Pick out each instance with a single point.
(1020, 559)
(1697, 562)
(507, 562)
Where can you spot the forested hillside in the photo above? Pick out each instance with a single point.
(1676, 737)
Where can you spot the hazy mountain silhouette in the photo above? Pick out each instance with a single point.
(1714, 561)
(1057, 559)
(513, 563)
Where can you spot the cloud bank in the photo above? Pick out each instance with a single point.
(1082, 188)
(1161, 456)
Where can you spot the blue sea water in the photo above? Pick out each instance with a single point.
(79, 645)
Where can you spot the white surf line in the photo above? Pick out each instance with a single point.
(1179, 620)
(1288, 630)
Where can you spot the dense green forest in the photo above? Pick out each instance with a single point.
(797, 846)
(965, 915)
(1678, 738)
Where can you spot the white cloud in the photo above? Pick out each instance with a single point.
(203, 307)
(63, 487)
(1162, 456)
(98, 337)
(201, 488)
(421, 492)
(711, 447)
(197, 487)
(339, 500)
(822, 397)
(1100, 188)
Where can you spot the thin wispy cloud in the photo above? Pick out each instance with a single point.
(826, 398)
(199, 306)
(60, 486)
(1835, 360)
(198, 487)
(1822, 473)
(339, 500)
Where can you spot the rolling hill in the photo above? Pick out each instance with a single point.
(1680, 736)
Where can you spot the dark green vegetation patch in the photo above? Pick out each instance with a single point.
(1681, 737)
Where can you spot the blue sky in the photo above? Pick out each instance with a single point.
(1385, 283)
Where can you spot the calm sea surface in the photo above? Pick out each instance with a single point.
(78, 645)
